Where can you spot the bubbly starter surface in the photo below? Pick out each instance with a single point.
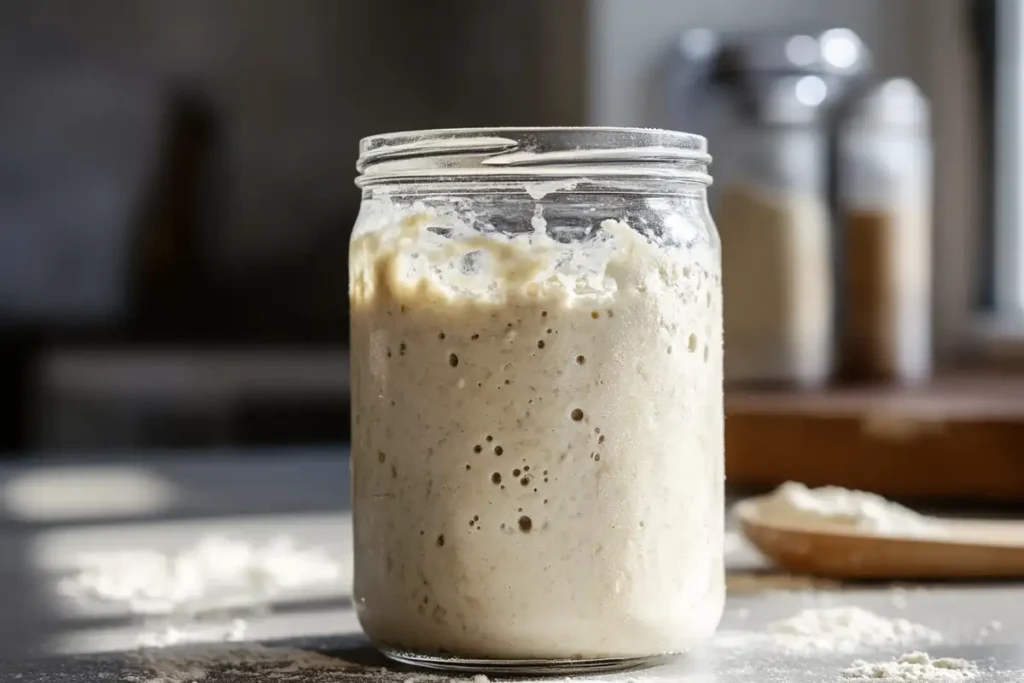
(538, 464)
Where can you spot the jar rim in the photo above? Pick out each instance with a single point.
(551, 152)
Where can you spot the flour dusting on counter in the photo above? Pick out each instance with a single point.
(915, 667)
(835, 508)
(198, 663)
(215, 573)
(232, 632)
(845, 630)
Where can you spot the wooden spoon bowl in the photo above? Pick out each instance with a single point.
(961, 549)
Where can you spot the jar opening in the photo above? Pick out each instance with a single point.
(493, 153)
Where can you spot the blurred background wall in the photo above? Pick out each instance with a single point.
(628, 43)
(176, 181)
(176, 177)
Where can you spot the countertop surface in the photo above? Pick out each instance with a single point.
(54, 511)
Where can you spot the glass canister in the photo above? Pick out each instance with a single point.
(537, 397)
(776, 235)
(774, 199)
(886, 157)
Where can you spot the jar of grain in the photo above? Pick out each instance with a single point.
(886, 198)
(774, 220)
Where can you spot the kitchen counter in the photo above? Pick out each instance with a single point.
(55, 510)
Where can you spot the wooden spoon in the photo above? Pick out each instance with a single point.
(962, 549)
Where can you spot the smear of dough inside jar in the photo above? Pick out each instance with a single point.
(537, 440)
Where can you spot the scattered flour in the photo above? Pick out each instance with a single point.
(988, 629)
(898, 597)
(916, 667)
(215, 573)
(200, 663)
(172, 634)
(846, 630)
(832, 507)
(208, 663)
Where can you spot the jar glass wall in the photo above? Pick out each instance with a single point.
(537, 397)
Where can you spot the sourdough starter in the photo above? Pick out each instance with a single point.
(538, 457)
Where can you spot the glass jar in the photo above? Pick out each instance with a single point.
(537, 397)
(886, 156)
(776, 229)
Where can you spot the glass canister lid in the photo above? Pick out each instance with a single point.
(897, 102)
(792, 78)
(836, 51)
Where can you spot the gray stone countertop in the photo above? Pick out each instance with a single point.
(54, 510)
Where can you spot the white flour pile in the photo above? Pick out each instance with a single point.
(846, 630)
(215, 573)
(916, 667)
(832, 507)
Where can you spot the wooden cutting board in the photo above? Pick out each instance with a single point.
(961, 438)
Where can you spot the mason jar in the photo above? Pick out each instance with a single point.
(537, 445)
